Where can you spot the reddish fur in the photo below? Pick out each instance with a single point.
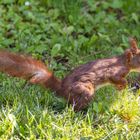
(79, 87)
(25, 67)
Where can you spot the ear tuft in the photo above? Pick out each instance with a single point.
(128, 56)
(133, 45)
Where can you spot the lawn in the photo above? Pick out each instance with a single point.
(64, 34)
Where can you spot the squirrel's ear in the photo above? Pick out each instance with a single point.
(133, 45)
(128, 56)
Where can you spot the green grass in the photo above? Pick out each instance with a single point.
(65, 34)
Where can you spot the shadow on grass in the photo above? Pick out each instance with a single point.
(32, 95)
(100, 103)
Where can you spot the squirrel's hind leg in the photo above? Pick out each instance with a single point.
(81, 95)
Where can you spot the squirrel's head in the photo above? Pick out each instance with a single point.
(134, 54)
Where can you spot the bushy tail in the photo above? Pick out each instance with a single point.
(28, 68)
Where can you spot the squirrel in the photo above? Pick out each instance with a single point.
(78, 87)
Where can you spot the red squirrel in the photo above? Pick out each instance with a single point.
(79, 87)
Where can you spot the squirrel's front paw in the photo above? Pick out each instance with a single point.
(119, 82)
(120, 87)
